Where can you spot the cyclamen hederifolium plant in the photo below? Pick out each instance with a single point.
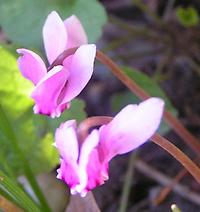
(84, 157)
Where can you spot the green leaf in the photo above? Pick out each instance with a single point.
(35, 133)
(22, 20)
(13, 144)
(13, 93)
(14, 89)
(120, 100)
(13, 192)
(188, 17)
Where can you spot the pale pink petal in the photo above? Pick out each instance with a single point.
(31, 65)
(54, 36)
(81, 69)
(66, 141)
(75, 31)
(86, 150)
(133, 126)
(67, 145)
(47, 91)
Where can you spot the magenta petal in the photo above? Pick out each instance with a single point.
(96, 170)
(31, 65)
(80, 70)
(133, 126)
(68, 172)
(54, 36)
(47, 91)
(86, 150)
(75, 31)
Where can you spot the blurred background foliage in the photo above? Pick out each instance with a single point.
(22, 20)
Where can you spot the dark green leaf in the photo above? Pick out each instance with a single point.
(22, 20)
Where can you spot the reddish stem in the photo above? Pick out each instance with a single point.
(167, 189)
(192, 168)
(139, 92)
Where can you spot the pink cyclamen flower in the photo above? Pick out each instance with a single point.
(54, 89)
(84, 165)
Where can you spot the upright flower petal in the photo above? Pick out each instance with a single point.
(66, 141)
(85, 158)
(97, 170)
(31, 65)
(134, 125)
(68, 172)
(67, 144)
(75, 31)
(54, 36)
(81, 69)
(47, 91)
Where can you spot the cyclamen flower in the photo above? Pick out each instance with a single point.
(54, 89)
(84, 165)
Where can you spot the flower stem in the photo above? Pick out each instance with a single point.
(139, 92)
(192, 168)
(127, 184)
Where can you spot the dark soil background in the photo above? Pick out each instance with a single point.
(176, 66)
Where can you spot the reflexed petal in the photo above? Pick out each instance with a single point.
(54, 36)
(47, 91)
(75, 31)
(66, 141)
(85, 157)
(31, 65)
(81, 69)
(131, 127)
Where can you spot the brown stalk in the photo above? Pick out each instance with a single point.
(191, 167)
(189, 139)
(162, 179)
(169, 187)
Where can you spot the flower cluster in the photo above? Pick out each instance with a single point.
(84, 162)
(54, 89)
